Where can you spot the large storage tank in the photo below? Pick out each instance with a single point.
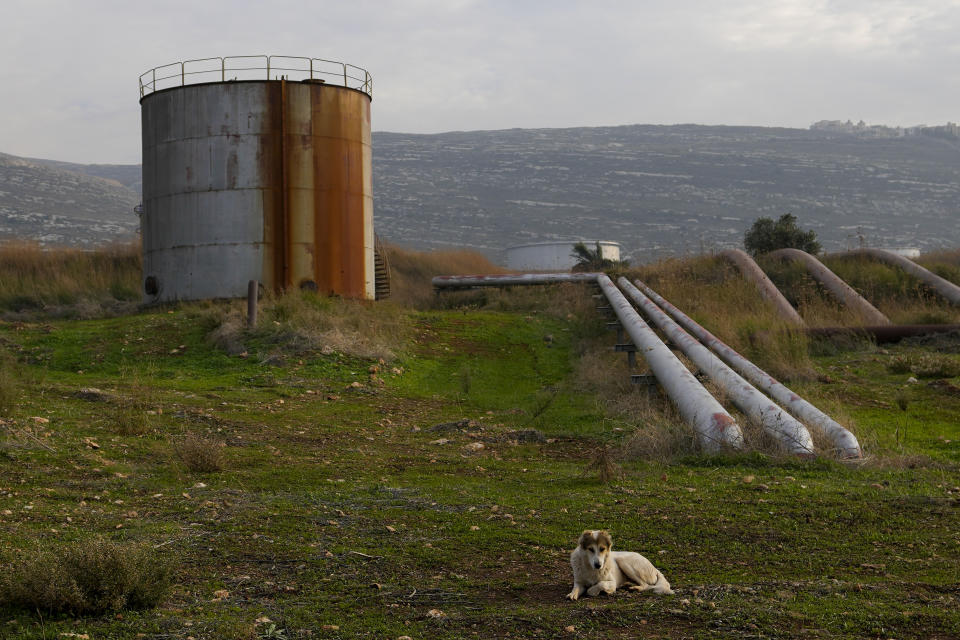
(556, 255)
(256, 168)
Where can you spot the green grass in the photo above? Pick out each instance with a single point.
(338, 503)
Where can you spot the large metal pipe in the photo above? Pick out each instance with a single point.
(716, 428)
(844, 292)
(845, 441)
(883, 334)
(942, 286)
(752, 272)
(469, 282)
(778, 423)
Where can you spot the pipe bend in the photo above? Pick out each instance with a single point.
(846, 294)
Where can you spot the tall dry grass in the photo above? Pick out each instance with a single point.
(411, 272)
(34, 278)
(898, 295)
(712, 292)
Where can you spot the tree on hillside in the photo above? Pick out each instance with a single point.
(766, 235)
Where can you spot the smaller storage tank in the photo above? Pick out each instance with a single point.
(556, 255)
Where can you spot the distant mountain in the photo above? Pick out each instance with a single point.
(50, 203)
(661, 190)
(658, 190)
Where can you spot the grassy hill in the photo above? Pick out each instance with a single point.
(423, 467)
(658, 190)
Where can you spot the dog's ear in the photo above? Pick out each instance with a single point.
(585, 539)
(604, 538)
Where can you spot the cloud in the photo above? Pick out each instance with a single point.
(71, 68)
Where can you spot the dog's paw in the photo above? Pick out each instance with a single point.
(573, 595)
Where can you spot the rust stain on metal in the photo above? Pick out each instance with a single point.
(340, 126)
(284, 245)
(722, 421)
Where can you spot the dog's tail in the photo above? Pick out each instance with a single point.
(665, 588)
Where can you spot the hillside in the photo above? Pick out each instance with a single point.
(62, 204)
(664, 190)
(659, 190)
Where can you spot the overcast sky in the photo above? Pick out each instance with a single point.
(69, 70)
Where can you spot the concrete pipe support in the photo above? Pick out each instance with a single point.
(778, 423)
(752, 272)
(942, 286)
(715, 427)
(845, 442)
(844, 292)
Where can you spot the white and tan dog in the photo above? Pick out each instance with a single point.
(597, 569)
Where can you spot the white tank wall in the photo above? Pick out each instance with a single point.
(554, 256)
(204, 188)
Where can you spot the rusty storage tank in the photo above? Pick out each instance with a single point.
(256, 168)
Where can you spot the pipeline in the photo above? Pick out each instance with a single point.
(884, 334)
(469, 282)
(768, 290)
(777, 422)
(942, 286)
(716, 428)
(845, 441)
(844, 292)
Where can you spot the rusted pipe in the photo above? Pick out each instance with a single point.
(885, 333)
(468, 282)
(842, 438)
(716, 428)
(752, 272)
(778, 423)
(844, 292)
(942, 286)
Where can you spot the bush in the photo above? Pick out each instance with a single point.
(88, 578)
(199, 453)
(766, 235)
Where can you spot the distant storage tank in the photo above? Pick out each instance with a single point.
(556, 255)
(256, 168)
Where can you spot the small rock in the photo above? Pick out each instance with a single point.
(570, 629)
(475, 446)
(330, 627)
(912, 380)
(440, 441)
(436, 613)
(748, 479)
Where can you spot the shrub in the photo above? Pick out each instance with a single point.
(199, 453)
(87, 578)
(766, 235)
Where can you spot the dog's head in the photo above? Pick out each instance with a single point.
(596, 544)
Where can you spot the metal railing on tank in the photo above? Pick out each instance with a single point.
(235, 68)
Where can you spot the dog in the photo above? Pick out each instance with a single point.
(597, 569)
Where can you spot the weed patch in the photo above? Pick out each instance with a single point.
(90, 577)
(200, 453)
(926, 365)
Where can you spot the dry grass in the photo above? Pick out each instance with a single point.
(34, 278)
(712, 292)
(200, 453)
(411, 272)
(926, 365)
(87, 578)
(9, 385)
